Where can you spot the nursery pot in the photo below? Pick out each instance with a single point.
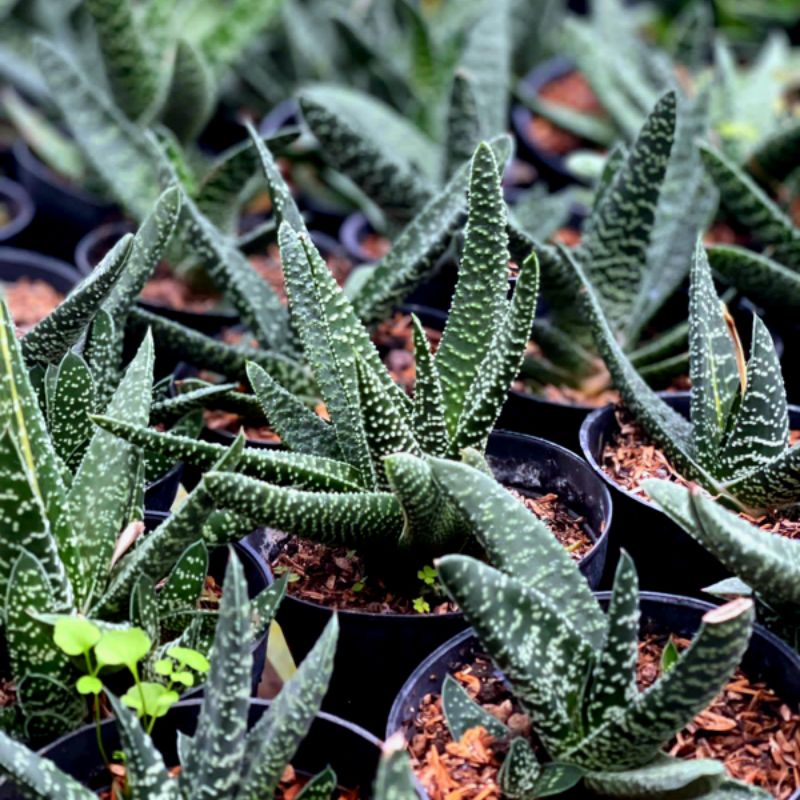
(255, 573)
(20, 210)
(767, 657)
(64, 212)
(16, 263)
(667, 558)
(352, 752)
(91, 249)
(436, 292)
(551, 166)
(376, 652)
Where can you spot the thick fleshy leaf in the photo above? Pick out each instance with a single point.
(274, 739)
(395, 780)
(479, 301)
(520, 544)
(463, 124)
(186, 580)
(320, 786)
(144, 611)
(520, 771)
(462, 713)
(69, 408)
(191, 98)
(428, 416)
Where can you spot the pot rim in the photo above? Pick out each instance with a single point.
(26, 258)
(24, 208)
(418, 619)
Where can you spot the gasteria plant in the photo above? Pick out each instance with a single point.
(767, 564)
(222, 759)
(635, 250)
(771, 277)
(389, 502)
(571, 667)
(69, 531)
(737, 443)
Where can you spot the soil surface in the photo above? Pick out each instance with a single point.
(375, 246)
(292, 783)
(571, 90)
(30, 301)
(338, 577)
(747, 726)
(630, 458)
(166, 288)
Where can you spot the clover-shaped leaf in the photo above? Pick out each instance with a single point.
(187, 657)
(124, 647)
(150, 699)
(89, 684)
(75, 635)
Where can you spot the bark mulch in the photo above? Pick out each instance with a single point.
(30, 301)
(747, 727)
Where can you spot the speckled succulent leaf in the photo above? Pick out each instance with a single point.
(557, 778)
(428, 415)
(146, 773)
(159, 551)
(387, 178)
(50, 339)
(501, 363)
(664, 425)
(238, 24)
(693, 29)
(394, 780)
(20, 411)
(760, 430)
(429, 522)
(257, 303)
(517, 625)
(31, 650)
(37, 776)
(72, 400)
(334, 518)
(614, 250)
(105, 480)
(663, 777)
(102, 350)
(769, 563)
(124, 158)
(479, 300)
(143, 610)
(386, 427)
(274, 739)
(215, 758)
(283, 203)
(487, 58)
(320, 786)
(416, 249)
(230, 360)
(24, 522)
(520, 544)
(637, 735)
(191, 97)
(520, 771)
(172, 408)
(230, 175)
(175, 160)
(613, 684)
(462, 713)
(132, 74)
(685, 207)
(746, 201)
(264, 605)
(758, 276)
(185, 581)
(463, 125)
(713, 364)
(147, 250)
(292, 469)
(775, 156)
(299, 427)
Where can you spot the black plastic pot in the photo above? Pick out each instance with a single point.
(64, 213)
(256, 574)
(20, 211)
(160, 494)
(377, 651)
(91, 249)
(551, 167)
(16, 263)
(767, 657)
(352, 752)
(667, 558)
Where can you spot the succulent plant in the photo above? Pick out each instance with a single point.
(75, 508)
(377, 434)
(223, 759)
(764, 563)
(635, 250)
(770, 277)
(571, 667)
(737, 443)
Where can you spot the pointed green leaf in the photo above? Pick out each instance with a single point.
(428, 417)
(462, 713)
(69, 409)
(191, 98)
(463, 123)
(186, 580)
(520, 771)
